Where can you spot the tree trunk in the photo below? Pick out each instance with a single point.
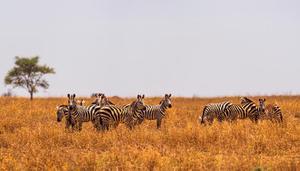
(31, 95)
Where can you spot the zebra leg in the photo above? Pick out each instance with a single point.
(79, 125)
(67, 125)
(158, 123)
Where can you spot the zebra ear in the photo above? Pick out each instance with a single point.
(68, 95)
(143, 96)
(170, 95)
(161, 102)
(74, 95)
(138, 96)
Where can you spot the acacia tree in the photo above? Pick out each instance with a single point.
(28, 74)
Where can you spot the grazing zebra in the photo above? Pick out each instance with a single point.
(214, 110)
(250, 110)
(271, 111)
(112, 115)
(157, 112)
(79, 114)
(63, 111)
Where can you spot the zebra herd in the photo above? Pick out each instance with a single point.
(246, 109)
(104, 114)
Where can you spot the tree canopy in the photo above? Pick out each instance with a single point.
(28, 74)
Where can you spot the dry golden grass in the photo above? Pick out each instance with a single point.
(30, 138)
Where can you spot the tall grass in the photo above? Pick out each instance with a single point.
(30, 138)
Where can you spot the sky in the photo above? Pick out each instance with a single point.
(125, 47)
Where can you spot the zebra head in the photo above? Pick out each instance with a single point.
(105, 101)
(262, 105)
(80, 102)
(139, 103)
(72, 102)
(166, 101)
(61, 111)
(98, 99)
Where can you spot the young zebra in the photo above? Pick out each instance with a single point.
(214, 110)
(271, 112)
(78, 114)
(250, 110)
(112, 115)
(157, 112)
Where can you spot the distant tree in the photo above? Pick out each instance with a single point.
(8, 93)
(28, 74)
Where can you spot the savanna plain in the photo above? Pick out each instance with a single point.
(32, 139)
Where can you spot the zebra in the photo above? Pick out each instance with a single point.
(157, 112)
(271, 111)
(80, 102)
(63, 111)
(101, 99)
(214, 110)
(250, 110)
(112, 115)
(78, 114)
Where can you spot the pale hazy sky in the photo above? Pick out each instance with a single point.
(125, 47)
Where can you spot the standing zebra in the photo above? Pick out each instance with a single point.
(247, 109)
(214, 110)
(271, 111)
(63, 111)
(250, 110)
(101, 99)
(112, 115)
(79, 114)
(157, 112)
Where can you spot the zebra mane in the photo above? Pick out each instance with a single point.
(62, 106)
(246, 100)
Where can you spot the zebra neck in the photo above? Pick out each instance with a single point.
(163, 107)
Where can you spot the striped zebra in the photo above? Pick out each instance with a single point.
(63, 111)
(214, 110)
(270, 112)
(250, 111)
(112, 115)
(78, 114)
(157, 112)
(101, 99)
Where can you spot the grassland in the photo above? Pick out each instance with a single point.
(31, 139)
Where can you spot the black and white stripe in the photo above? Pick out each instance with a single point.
(214, 110)
(250, 110)
(270, 112)
(112, 115)
(157, 112)
(79, 114)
